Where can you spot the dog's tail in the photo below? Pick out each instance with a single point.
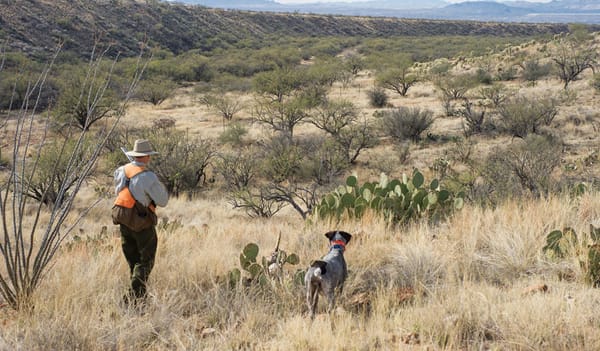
(320, 268)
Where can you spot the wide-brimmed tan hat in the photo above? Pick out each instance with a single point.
(141, 148)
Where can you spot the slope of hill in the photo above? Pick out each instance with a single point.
(34, 26)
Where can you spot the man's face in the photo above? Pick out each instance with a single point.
(143, 159)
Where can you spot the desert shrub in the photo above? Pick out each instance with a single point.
(77, 104)
(506, 74)
(182, 161)
(237, 169)
(399, 77)
(256, 202)
(333, 116)
(405, 123)
(533, 70)
(356, 138)
(338, 119)
(156, 89)
(483, 76)
(183, 68)
(521, 116)
(328, 161)
(233, 134)
(52, 173)
(455, 86)
(494, 95)
(571, 58)
(283, 159)
(522, 167)
(473, 118)
(225, 105)
(595, 83)
(14, 92)
(377, 97)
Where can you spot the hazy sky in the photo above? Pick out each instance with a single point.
(313, 1)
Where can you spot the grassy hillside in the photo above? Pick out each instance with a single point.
(32, 26)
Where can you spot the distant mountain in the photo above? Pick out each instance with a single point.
(558, 11)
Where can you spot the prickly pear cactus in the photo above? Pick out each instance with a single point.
(256, 272)
(398, 200)
(593, 264)
(561, 244)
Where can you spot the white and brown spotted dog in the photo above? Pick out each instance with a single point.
(327, 275)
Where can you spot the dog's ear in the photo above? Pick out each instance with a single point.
(345, 235)
(330, 235)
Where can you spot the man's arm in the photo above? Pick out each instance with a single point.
(158, 193)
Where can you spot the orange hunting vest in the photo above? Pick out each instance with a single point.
(125, 199)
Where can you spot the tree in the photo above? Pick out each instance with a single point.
(333, 116)
(354, 64)
(571, 59)
(86, 96)
(356, 138)
(156, 90)
(338, 119)
(285, 97)
(398, 78)
(223, 104)
(281, 116)
(455, 87)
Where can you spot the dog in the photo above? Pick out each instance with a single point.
(327, 274)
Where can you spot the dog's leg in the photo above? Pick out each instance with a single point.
(330, 300)
(312, 298)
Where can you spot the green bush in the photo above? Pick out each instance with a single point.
(182, 161)
(238, 170)
(595, 83)
(155, 90)
(233, 134)
(378, 97)
(521, 116)
(53, 171)
(87, 95)
(523, 167)
(506, 74)
(533, 70)
(283, 160)
(405, 123)
(483, 76)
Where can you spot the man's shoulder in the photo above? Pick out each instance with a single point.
(148, 174)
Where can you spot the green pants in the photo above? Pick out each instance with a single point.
(139, 249)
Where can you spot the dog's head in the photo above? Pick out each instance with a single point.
(338, 235)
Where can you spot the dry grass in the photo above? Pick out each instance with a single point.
(467, 275)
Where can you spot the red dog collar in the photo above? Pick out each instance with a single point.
(340, 244)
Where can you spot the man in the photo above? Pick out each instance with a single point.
(133, 182)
